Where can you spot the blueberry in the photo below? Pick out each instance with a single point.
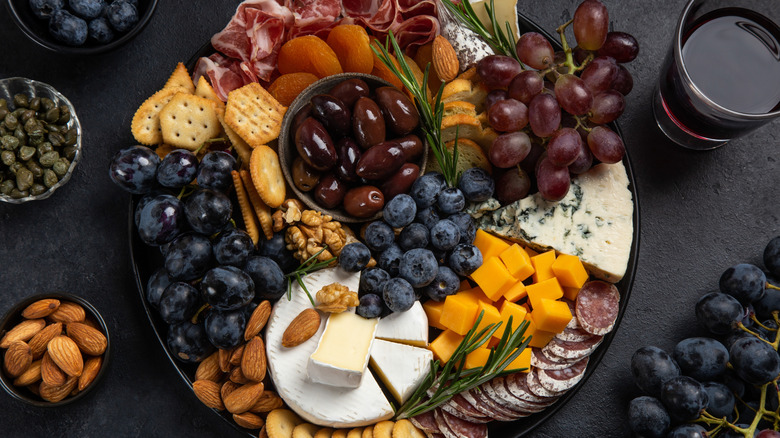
(87, 8)
(276, 250)
(465, 259)
(233, 247)
(208, 211)
(354, 257)
(179, 302)
(428, 217)
(371, 306)
(440, 254)
(156, 286)
(122, 15)
(379, 236)
(466, 225)
(44, 8)
(67, 28)
(225, 328)
(477, 185)
(100, 31)
(214, 170)
(413, 236)
(419, 267)
(426, 189)
(390, 259)
(400, 211)
(227, 288)
(188, 342)
(451, 201)
(445, 235)
(398, 295)
(188, 257)
(267, 276)
(134, 169)
(179, 167)
(446, 283)
(372, 281)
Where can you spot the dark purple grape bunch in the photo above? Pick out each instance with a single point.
(727, 381)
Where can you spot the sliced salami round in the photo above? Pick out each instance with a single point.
(574, 323)
(499, 386)
(536, 388)
(444, 429)
(555, 358)
(562, 380)
(517, 385)
(539, 360)
(490, 392)
(573, 335)
(463, 409)
(426, 422)
(597, 307)
(499, 413)
(461, 428)
(573, 350)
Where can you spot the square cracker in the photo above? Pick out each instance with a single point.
(180, 78)
(188, 121)
(254, 114)
(146, 121)
(205, 90)
(243, 150)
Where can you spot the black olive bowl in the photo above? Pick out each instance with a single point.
(14, 317)
(288, 151)
(38, 29)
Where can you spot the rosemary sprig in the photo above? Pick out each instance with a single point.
(502, 43)
(430, 113)
(310, 265)
(452, 379)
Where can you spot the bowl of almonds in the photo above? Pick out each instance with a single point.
(54, 348)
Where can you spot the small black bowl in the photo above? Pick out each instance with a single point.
(14, 317)
(38, 30)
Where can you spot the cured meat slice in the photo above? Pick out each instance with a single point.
(224, 74)
(458, 428)
(574, 323)
(500, 392)
(572, 350)
(490, 393)
(573, 335)
(441, 424)
(540, 360)
(410, 8)
(426, 422)
(558, 359)
(462, 408)
(360, 8)
(565, 379)
(493, 410)
(536, 388)
(386, 17)
(416, 31)
(313, 16)
(517, 385)
(597, 307)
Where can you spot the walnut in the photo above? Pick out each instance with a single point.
(287, 214)
(313, 232)
(336, 298)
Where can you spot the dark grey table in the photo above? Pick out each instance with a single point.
(700, 213)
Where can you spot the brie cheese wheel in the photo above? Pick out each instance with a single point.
(410, 327)
(594, 221)
(316, 403)
(342, 354)
(401, 367)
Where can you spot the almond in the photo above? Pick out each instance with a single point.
(68, 312)
(248, 420)
(227, 388)
(65, 353)
(253, 364)
(258, 320)
(35, 388)
(89, 340)
(57, 393)
(50, 372)
(269, 401)
(208, 393)
(41, 308)
(208, 369)
(24, 331)
(235, 358)
(32, 375)
(303, 327)
(91, 370)
(243, 398)
(17, 359)
(224, 360)
(237, 376)
(39, 342)
(445, 60)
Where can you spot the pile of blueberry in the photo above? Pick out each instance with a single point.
(723, 386)
(212, 276)
(432, 251)
(72, 22)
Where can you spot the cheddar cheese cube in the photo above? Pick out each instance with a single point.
(489, 245)
(549, 289)
(517, 262)
(541, 338)
(530, 252)
(464, 285)
(516, 311)
(521, 361)
(493, 278)
(477, 358)
(433, 312)
(445, 344)
(490, 315)
(569, 271)
(551, 315)
(542, 264)
(516, 292)
(459, 313)
(476, 294)
(570, 293)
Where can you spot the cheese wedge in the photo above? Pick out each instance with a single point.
(410, 327)
(342, 354)
(401, 367)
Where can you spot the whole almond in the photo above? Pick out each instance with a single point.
(208, 393)
(89, 340)
(248, 420)
(65, 353)
(68, 312)
(35, 388)
(91, 370)
(227, 388)
(32, 375)
(445, 59)
(235, 358)
(57, 393)
(258, 320)
(303, 327)
(263, 433)
(17, 359)
(253, 364)
(41, 308)
(50, 372)
(267, 403)
(39, 342)
(208, 369)
(224, 359)
(237, 376)
(243, 398)
(24, 331)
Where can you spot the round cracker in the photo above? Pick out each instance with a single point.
(305, 430)
(383, 429)
(267, 176)
(405, 429)
(280, 423)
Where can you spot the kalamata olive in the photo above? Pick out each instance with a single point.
(380, 161)
(302, 114)
(412, 147)
(401, 182)
(349, 154)
(330, 192)
(368, 124)
(350, 91)
(304, 177)
(400, 113)
(364, 201)
(315, 145)
(333, 114)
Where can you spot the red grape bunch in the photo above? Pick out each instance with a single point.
(550, 109)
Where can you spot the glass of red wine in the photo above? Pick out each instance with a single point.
(721, 78)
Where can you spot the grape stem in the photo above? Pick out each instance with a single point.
(566, 49)
(771, 286)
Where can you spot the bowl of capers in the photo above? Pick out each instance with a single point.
(40, 140)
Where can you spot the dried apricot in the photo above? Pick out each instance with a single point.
(287, 87)
(423, 57)
(418, 76)
(384, 72)
(351, 44)
(308, 54)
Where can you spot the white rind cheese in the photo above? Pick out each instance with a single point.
(341, 356)
(410, 327)
(594, 221)
(401, 367)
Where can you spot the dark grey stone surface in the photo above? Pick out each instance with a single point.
(701, 212)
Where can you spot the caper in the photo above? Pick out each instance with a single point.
(26, 115)
(49, 177)
(64, 115)
(3, 103)
(69, 152)
(19, 194)
(21, 101)
(15, 166)
(37, 189)
(24, 178)
(25, 153)
(71, 137)
(10, 121)
(43, 148)
(56, 139)
(18, 112)
(3, 112)
(7, 157)
(47, 104)
(33, 127)
(35, 104)
(6, 187)
(9, 142)
(35, 140)
(61, 167)
(35, 168)
(49, 158)
(52, 115)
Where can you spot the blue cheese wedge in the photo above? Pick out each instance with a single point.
(341, 356)
(401, 367)
(594, 221)
(410, 327)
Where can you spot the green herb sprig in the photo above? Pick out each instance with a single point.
(501, 43)
(452, 379)
(310, 265)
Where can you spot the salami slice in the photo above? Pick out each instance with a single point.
(597, 307)
(573, 350)
(574, 323)
(539, 360)
(489, 391)
(461, 408)
(517, 385)
(536, 388)
(462, 428)
(426, 422)
(488, 407)
(562, 380)
(573, 335)
(442, 425)
(499, 385)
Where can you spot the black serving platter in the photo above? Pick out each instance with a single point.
(146, 260)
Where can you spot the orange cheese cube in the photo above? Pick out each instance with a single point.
(477, 358)
(521, 361)
(517, 262)
(549, 289)
(541, 338)
(543, 266)
(491, 315)
(445, 344)
(516, 311)
(476, 294)
(530, 252)
(464, 285)
(516, 292)
(493, 278)
(569, 271)
(433, 311)
(551, 315)
(459, 313)
(489, 245)
(571, 293)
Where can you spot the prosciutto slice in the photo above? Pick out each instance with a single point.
(224, 74)
(313, 17)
